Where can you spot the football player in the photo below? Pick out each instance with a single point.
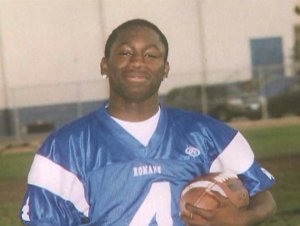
(126, 163)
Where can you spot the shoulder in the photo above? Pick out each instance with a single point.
(200, 127)
(71, 134)
(191, 119)
(92, 121)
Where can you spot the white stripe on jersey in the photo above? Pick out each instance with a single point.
(48, 175)
(237, 156)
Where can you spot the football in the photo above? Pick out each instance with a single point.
(201, 192)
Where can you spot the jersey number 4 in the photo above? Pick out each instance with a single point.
(156, 204)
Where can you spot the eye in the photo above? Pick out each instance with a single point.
(125, 53)
(153, 52)
(151, 55)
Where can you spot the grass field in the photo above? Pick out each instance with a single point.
(277, 148)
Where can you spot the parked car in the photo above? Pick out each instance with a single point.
(287, 101)
(224, 101)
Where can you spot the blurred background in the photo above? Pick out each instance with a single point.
(235, 59)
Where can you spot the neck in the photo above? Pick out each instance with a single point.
(133, 111)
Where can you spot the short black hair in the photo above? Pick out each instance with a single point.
(135, 23)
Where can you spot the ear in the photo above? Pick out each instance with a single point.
(104, 66)
(166, 69)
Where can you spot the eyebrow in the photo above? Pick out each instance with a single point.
(162, 49)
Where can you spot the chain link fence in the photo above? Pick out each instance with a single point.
(42, 108)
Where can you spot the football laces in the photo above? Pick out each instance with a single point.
(224, 176)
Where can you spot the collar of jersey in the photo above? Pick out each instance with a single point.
(123, 136)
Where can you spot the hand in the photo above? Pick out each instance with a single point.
(226, 215)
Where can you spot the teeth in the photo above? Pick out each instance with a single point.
(224, 176)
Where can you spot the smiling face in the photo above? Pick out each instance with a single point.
(136, 66)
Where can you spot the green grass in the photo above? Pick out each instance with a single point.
(15, 166)
(274, 141)
(13, 173)
(277, 148)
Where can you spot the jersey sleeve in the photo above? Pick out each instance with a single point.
(239, 158)
(55, 195)
(43, 208)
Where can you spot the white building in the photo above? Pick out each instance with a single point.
(50, 49)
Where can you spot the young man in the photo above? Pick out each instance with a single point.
(126, 163)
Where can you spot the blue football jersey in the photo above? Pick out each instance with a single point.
(93, 172)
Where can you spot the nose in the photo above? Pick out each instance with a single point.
(137, 60)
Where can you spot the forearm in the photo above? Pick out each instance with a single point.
(261, 207)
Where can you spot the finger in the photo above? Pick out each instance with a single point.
(194, 220)
(206, 214)
(186, 214)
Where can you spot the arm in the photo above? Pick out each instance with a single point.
(261, 207)
(55, 196)
(43, 208)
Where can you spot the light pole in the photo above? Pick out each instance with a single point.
(204, 100)
(2, 71)
(4, 84)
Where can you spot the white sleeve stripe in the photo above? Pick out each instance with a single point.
(237, 156)
(48, 175)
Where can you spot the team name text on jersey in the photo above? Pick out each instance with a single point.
(146, 170)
